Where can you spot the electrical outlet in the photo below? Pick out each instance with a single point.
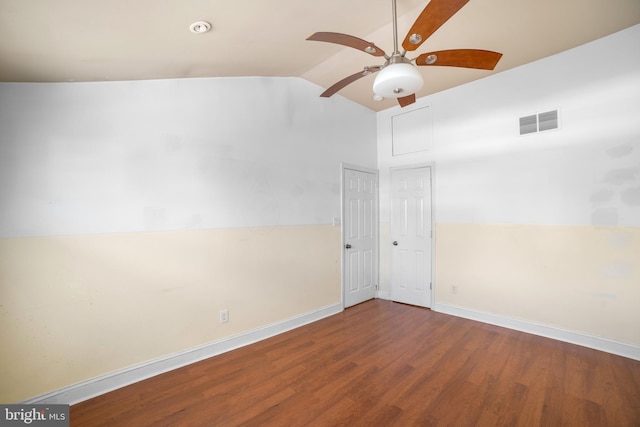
(224, 315)
(454, 289)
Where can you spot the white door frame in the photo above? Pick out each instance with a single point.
(432, 166)
(376, 258)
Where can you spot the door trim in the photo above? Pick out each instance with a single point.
(344, 166)
(432, 171)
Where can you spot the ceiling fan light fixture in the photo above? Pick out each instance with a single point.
(397, 80)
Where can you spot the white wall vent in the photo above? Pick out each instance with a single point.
(539, 122)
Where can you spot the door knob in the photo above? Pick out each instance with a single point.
(395, 243)
(348, 246)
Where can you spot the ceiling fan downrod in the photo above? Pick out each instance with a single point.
(395, 28)
(396, 57)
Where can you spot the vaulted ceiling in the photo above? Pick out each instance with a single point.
(99, 40)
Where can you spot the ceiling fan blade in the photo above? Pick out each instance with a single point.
(349, 41)
(436, 13)
(466, 58)
(348, 80)
(407, 100)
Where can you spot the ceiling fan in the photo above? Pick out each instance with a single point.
(398, 77)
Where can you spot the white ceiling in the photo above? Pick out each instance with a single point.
(100, 40)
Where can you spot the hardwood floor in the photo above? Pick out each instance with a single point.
(381, 364)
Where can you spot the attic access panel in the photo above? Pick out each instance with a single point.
(412, 132)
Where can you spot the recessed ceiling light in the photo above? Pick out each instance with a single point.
(200, 27)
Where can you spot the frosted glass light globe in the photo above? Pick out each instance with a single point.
(397, 80)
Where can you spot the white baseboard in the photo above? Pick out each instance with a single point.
(614, 347)
(383, 295)
(114, 380)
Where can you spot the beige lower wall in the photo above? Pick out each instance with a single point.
(579, 278)
(75, 307)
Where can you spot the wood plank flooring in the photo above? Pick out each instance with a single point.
(385, 364)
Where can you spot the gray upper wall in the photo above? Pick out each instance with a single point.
(79, 158)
